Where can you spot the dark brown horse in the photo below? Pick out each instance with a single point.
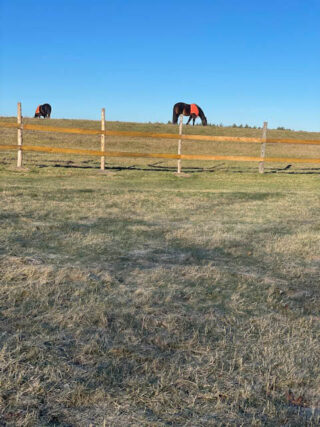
(192, 110)
(43, 110)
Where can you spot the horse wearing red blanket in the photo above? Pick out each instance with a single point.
(191, 110)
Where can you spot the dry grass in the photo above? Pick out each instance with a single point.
(143, 299)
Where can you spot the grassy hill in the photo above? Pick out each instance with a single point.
(139, 298)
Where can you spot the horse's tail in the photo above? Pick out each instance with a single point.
(174, 115)
(202, 116)
(49, 110)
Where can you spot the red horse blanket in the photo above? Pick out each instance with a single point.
(38, 109)
(194, 110)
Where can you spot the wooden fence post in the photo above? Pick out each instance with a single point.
(263, 146)
(19, 120)
(180, 141)
(103, 138)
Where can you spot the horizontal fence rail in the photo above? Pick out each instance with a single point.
(263, 141)
(81, 131)
(57, 150)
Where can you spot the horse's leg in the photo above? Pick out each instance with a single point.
(174, 116)
(193, 119)
(189, 120)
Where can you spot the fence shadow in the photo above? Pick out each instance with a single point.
(157, 167)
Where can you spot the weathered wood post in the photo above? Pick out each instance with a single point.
(180, 141)
(103, 137)
(19, 121)
(263, 146)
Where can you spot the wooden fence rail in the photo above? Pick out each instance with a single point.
(81, 131)
(20, 147)
(97, 153)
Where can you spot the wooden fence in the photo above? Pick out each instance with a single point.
(102, 153)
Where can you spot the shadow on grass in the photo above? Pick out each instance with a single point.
(190, 170)
(126, 249)
(170, 342)
(157, 167)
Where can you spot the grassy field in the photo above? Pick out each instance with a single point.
(139, 298)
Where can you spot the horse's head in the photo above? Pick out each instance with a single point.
(204, 121)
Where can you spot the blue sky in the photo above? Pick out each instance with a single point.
(241, 61)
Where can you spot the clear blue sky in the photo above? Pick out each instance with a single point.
(242, 61)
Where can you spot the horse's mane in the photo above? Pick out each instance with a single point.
(177, 109)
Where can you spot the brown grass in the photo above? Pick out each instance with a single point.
(144, 299)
